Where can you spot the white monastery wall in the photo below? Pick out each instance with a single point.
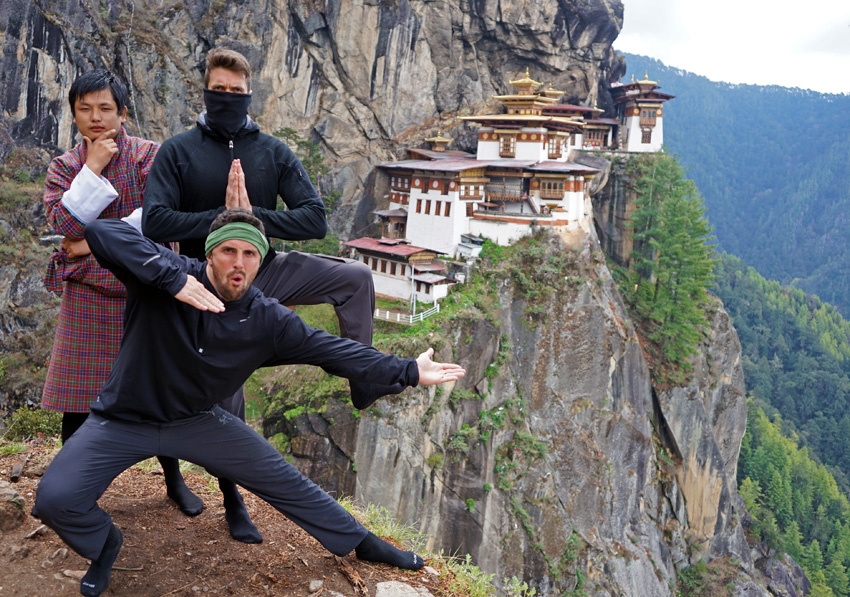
(436, 232)
(501, 233)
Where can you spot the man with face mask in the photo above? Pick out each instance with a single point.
(226, 162)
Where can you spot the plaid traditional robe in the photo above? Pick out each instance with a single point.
(91, 313)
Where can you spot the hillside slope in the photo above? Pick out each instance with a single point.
(773, 165)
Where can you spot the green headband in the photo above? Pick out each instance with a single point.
(237, 231)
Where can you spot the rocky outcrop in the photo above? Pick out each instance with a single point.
(554, 460)
(27, 311)
(11, 508)
(363, 79)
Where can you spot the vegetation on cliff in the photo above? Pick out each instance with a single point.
(671, 266)
(27, 312)
(796, 357)
(795, 504)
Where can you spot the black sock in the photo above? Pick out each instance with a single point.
(236, 514)
(363, 394)
(188, 502)
(96, 579)
(375, 549)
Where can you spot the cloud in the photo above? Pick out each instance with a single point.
(834, 38)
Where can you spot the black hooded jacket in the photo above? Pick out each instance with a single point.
(176, 361)
(186, 187)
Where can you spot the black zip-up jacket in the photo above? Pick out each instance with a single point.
(176, 361)
(187, 182)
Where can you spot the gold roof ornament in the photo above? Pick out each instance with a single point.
(556, 93)
(526, 85)
(438, 142)
(646, 80)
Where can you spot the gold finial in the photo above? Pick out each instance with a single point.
(633, 77)
(646, 75)
(527, 76)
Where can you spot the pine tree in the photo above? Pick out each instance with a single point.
(672, 263)
(792, 541)
(836, 575)
(812, 559)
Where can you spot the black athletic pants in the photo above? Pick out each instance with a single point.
(216, 440)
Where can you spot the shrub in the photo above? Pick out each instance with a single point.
(30, 423)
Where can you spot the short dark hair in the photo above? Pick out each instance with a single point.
(95, 80)
(229, 59)
(237, 214)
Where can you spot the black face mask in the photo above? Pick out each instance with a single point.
(226, 112)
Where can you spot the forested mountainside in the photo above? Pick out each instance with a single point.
(796, 356)
(795, 503)
(773, 164)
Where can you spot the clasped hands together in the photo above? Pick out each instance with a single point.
(103, 148)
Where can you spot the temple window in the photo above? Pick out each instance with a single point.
(552, 189)
(646, 136)
(507, 146)
(647, 117)
(554, 147)
(447, 209)
(427, 207)
(419, 206)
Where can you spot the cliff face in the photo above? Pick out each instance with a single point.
(363, 79)
(554, 460)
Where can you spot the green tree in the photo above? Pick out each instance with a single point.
(672, 263)
(792, 541)
(836, 575)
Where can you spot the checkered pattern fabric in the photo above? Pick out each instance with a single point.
(92, 309)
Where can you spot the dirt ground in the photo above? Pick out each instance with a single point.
(167, 553)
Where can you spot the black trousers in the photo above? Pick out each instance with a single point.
(102, 448)
(305, 279)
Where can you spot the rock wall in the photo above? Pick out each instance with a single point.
(363, 79)
(554, 460)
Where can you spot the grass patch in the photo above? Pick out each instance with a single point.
(9, 448)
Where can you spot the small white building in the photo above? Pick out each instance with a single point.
(639, 108)
(399, 269)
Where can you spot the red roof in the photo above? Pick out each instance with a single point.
(389, 246)
(439, 155)
(448, 165)
(603, 121)
(570, 108)
(563, 167)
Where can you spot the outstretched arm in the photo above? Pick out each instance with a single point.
(432, 373)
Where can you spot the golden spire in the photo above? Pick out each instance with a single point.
(526, 85)
(438, 143)
(646, 80)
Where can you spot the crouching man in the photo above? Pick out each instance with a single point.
(177, 360)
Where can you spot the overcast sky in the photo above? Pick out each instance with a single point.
(763, 42)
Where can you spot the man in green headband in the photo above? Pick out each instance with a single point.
(179, 359)
(232, 252)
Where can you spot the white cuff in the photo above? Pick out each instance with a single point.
(88, 196)
(135, 219)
